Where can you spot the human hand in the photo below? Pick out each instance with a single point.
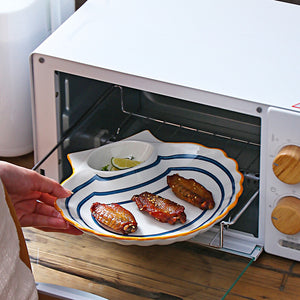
(33, 197)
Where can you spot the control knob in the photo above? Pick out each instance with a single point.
(286, 165)
(286, 215)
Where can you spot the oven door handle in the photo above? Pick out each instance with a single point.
(236, 217)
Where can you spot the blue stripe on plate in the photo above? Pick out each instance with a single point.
(82, 202)
(158, 160)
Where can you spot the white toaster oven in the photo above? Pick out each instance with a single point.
(225, 74)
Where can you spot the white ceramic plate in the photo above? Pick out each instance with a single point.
(210, 167)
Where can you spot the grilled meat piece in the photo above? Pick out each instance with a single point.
(114, 217)
(191, 191)
(162, 209)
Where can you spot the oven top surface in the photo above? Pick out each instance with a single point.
(243, 49)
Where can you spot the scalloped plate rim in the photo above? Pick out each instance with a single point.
(181, 236)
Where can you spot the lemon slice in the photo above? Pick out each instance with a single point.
(124, 163)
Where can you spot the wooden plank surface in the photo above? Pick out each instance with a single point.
(179, 271)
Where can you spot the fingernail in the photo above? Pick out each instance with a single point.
(69, 192)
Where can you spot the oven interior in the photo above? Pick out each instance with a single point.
(92, 113)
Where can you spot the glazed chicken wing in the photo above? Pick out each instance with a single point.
(114, 217)
(162, 209)
(191, 191)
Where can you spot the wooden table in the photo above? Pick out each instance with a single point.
(179, 271)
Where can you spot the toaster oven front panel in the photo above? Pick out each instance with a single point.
(92, 113)
(282, 229)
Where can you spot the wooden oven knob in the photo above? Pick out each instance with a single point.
(286, 165)
(286, 215)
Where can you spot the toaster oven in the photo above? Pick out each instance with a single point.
(221, 74)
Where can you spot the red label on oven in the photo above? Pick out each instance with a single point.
(297, 105)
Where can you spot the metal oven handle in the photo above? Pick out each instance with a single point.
(225, 224)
